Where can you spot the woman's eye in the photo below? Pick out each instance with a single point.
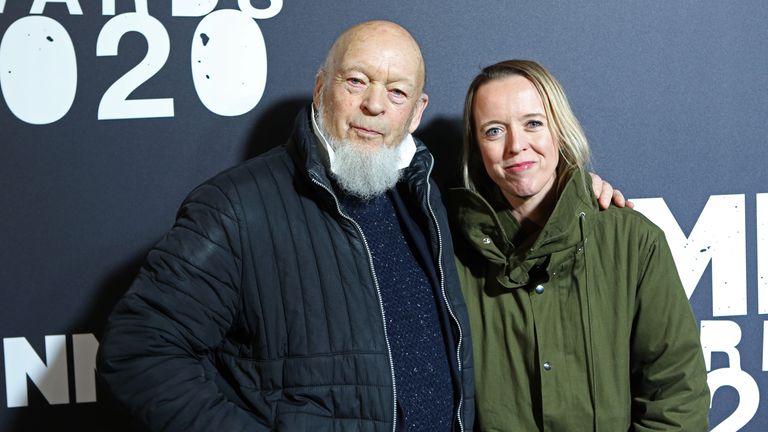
(535, 123)
(492, 132)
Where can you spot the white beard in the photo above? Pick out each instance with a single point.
(362, 171)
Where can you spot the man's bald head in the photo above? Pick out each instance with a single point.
(369, 96)
(377, 33)
(371, 89)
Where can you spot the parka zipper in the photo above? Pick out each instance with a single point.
(588, 333)
(378, 293)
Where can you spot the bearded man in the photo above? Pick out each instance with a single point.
(312, 287)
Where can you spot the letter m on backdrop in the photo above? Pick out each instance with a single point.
(718, 237)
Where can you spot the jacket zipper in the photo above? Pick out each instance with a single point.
(381, 303)
(445, 297)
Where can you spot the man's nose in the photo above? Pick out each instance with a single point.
(374, 102)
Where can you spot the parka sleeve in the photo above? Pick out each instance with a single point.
(669, 379)
(153, 352)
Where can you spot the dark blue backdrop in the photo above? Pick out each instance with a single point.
(673, 96)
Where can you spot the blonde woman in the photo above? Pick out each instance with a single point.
(579, 320)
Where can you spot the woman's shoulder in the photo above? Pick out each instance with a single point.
(627, 223)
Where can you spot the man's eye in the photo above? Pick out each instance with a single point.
(397, 96)
(355, 81)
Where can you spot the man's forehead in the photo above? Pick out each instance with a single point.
(396, 64)
(377, 70)
(379, 49)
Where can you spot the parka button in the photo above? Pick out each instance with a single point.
(539, 289)
(486, 240)
(547, 365)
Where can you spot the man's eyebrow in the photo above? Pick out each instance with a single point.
(402, 80)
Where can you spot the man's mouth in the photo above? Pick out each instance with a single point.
(366, 132)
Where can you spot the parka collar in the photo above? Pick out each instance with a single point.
(480, 223)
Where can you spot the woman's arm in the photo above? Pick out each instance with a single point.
(669, 379)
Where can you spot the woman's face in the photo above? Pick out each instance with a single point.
(514, 139)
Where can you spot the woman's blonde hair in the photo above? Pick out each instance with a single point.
(563, 125)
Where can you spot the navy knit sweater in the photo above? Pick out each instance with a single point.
(422, 372)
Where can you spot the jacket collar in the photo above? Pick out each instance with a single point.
(406, 149)
(305, 149)
(302, 146)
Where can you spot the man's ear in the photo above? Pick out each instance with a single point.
(418, 110)
(319, 82)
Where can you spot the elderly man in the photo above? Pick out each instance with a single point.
(312, 287)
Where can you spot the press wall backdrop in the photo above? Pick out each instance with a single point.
(111, 111)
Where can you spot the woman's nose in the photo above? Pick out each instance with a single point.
(515, 142)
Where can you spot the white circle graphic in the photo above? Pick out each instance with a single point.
(38, 69)
(229, 62)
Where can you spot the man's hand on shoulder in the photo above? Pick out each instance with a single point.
(606, 194)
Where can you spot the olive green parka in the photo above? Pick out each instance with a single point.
(589, 329)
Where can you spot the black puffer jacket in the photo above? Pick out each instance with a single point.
(258, 310)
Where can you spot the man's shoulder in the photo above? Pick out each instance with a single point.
(263, 166)
(258, 176)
